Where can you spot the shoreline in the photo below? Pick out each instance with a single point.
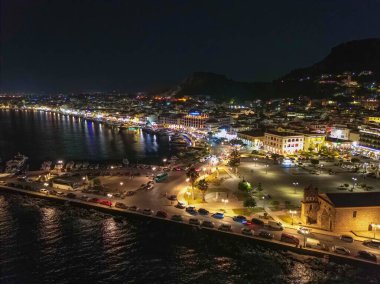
(272, 244)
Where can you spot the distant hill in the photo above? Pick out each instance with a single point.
(354, 56)
(218, 87)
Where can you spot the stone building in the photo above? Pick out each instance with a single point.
(340, 212)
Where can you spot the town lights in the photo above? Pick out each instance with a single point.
(292, 212)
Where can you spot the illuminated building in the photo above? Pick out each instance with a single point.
(313, 141)
(340, 212)
(253, 138)
(283, 142)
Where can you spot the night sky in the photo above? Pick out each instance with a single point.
(91, 45)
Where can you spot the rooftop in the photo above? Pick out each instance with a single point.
(355, 199)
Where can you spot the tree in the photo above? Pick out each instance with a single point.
(234, 161)
(314, 162)
(259, 187)
(245, 186)
(96, 183)
(249, 202)
(203, 186)
(193, 175)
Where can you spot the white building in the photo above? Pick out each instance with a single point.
(283, 142)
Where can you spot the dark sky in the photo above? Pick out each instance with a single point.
(94, 45)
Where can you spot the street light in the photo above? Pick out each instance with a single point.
(188, 197)
(292, 212)
(295, 184)
(375, 227)
(266, 168)
(255, 161)
(225, 201)
(354, 179)
(164, 161)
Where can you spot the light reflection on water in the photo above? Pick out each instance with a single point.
(48, 136)
(42, 242)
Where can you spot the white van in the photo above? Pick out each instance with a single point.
(275, 225)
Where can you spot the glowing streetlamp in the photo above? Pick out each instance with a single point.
(188, 197)
(225, 201)
(295, 184)
(255, 161)
(292, 212)
(46, 184)
(266, 168)
(375, 227)
(354, 179)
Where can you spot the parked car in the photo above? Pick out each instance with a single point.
(147, 211)
(60, 193)
(257, 222)
(172, 197)
(133, 208)
(53, 192)
(94, 200)
(203, 211)
(372, 243)
(208, 224)
(275, 225)
(266, 235)
(84, 197)
(105, 202)
(225, 228)
(347, 238)
(289, 239)
(177, 218)
(121, 205)
(303, 231)
(247, 232)
(218, 215)
(44, 190)
(130, 193)
(194, 221)
(71, 195)
(315, 244)
(240, 219)
(367, 255)
(180, 205)
(191, 210)
(162, 214)
(341, 250)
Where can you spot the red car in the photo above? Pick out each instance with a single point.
(105, 202)
(94, 200)
(162, 214)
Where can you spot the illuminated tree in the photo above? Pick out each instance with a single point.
(203, 186)
(192, 174)
(234, 160)
(249, 202)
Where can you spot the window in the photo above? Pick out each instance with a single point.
(354, 214)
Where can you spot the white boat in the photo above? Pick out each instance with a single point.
(46, 166)
(16, 164)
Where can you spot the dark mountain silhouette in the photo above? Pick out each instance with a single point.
(353, 56)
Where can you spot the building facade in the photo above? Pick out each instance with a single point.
(283, 142)
(340, 212)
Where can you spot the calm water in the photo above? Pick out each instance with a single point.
(42, 242)
(46, 136)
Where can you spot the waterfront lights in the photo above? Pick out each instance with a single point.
(292, 212)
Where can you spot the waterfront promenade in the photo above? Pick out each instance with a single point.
(166, 205)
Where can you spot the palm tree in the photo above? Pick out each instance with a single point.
(193, 175)
(203, 186)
